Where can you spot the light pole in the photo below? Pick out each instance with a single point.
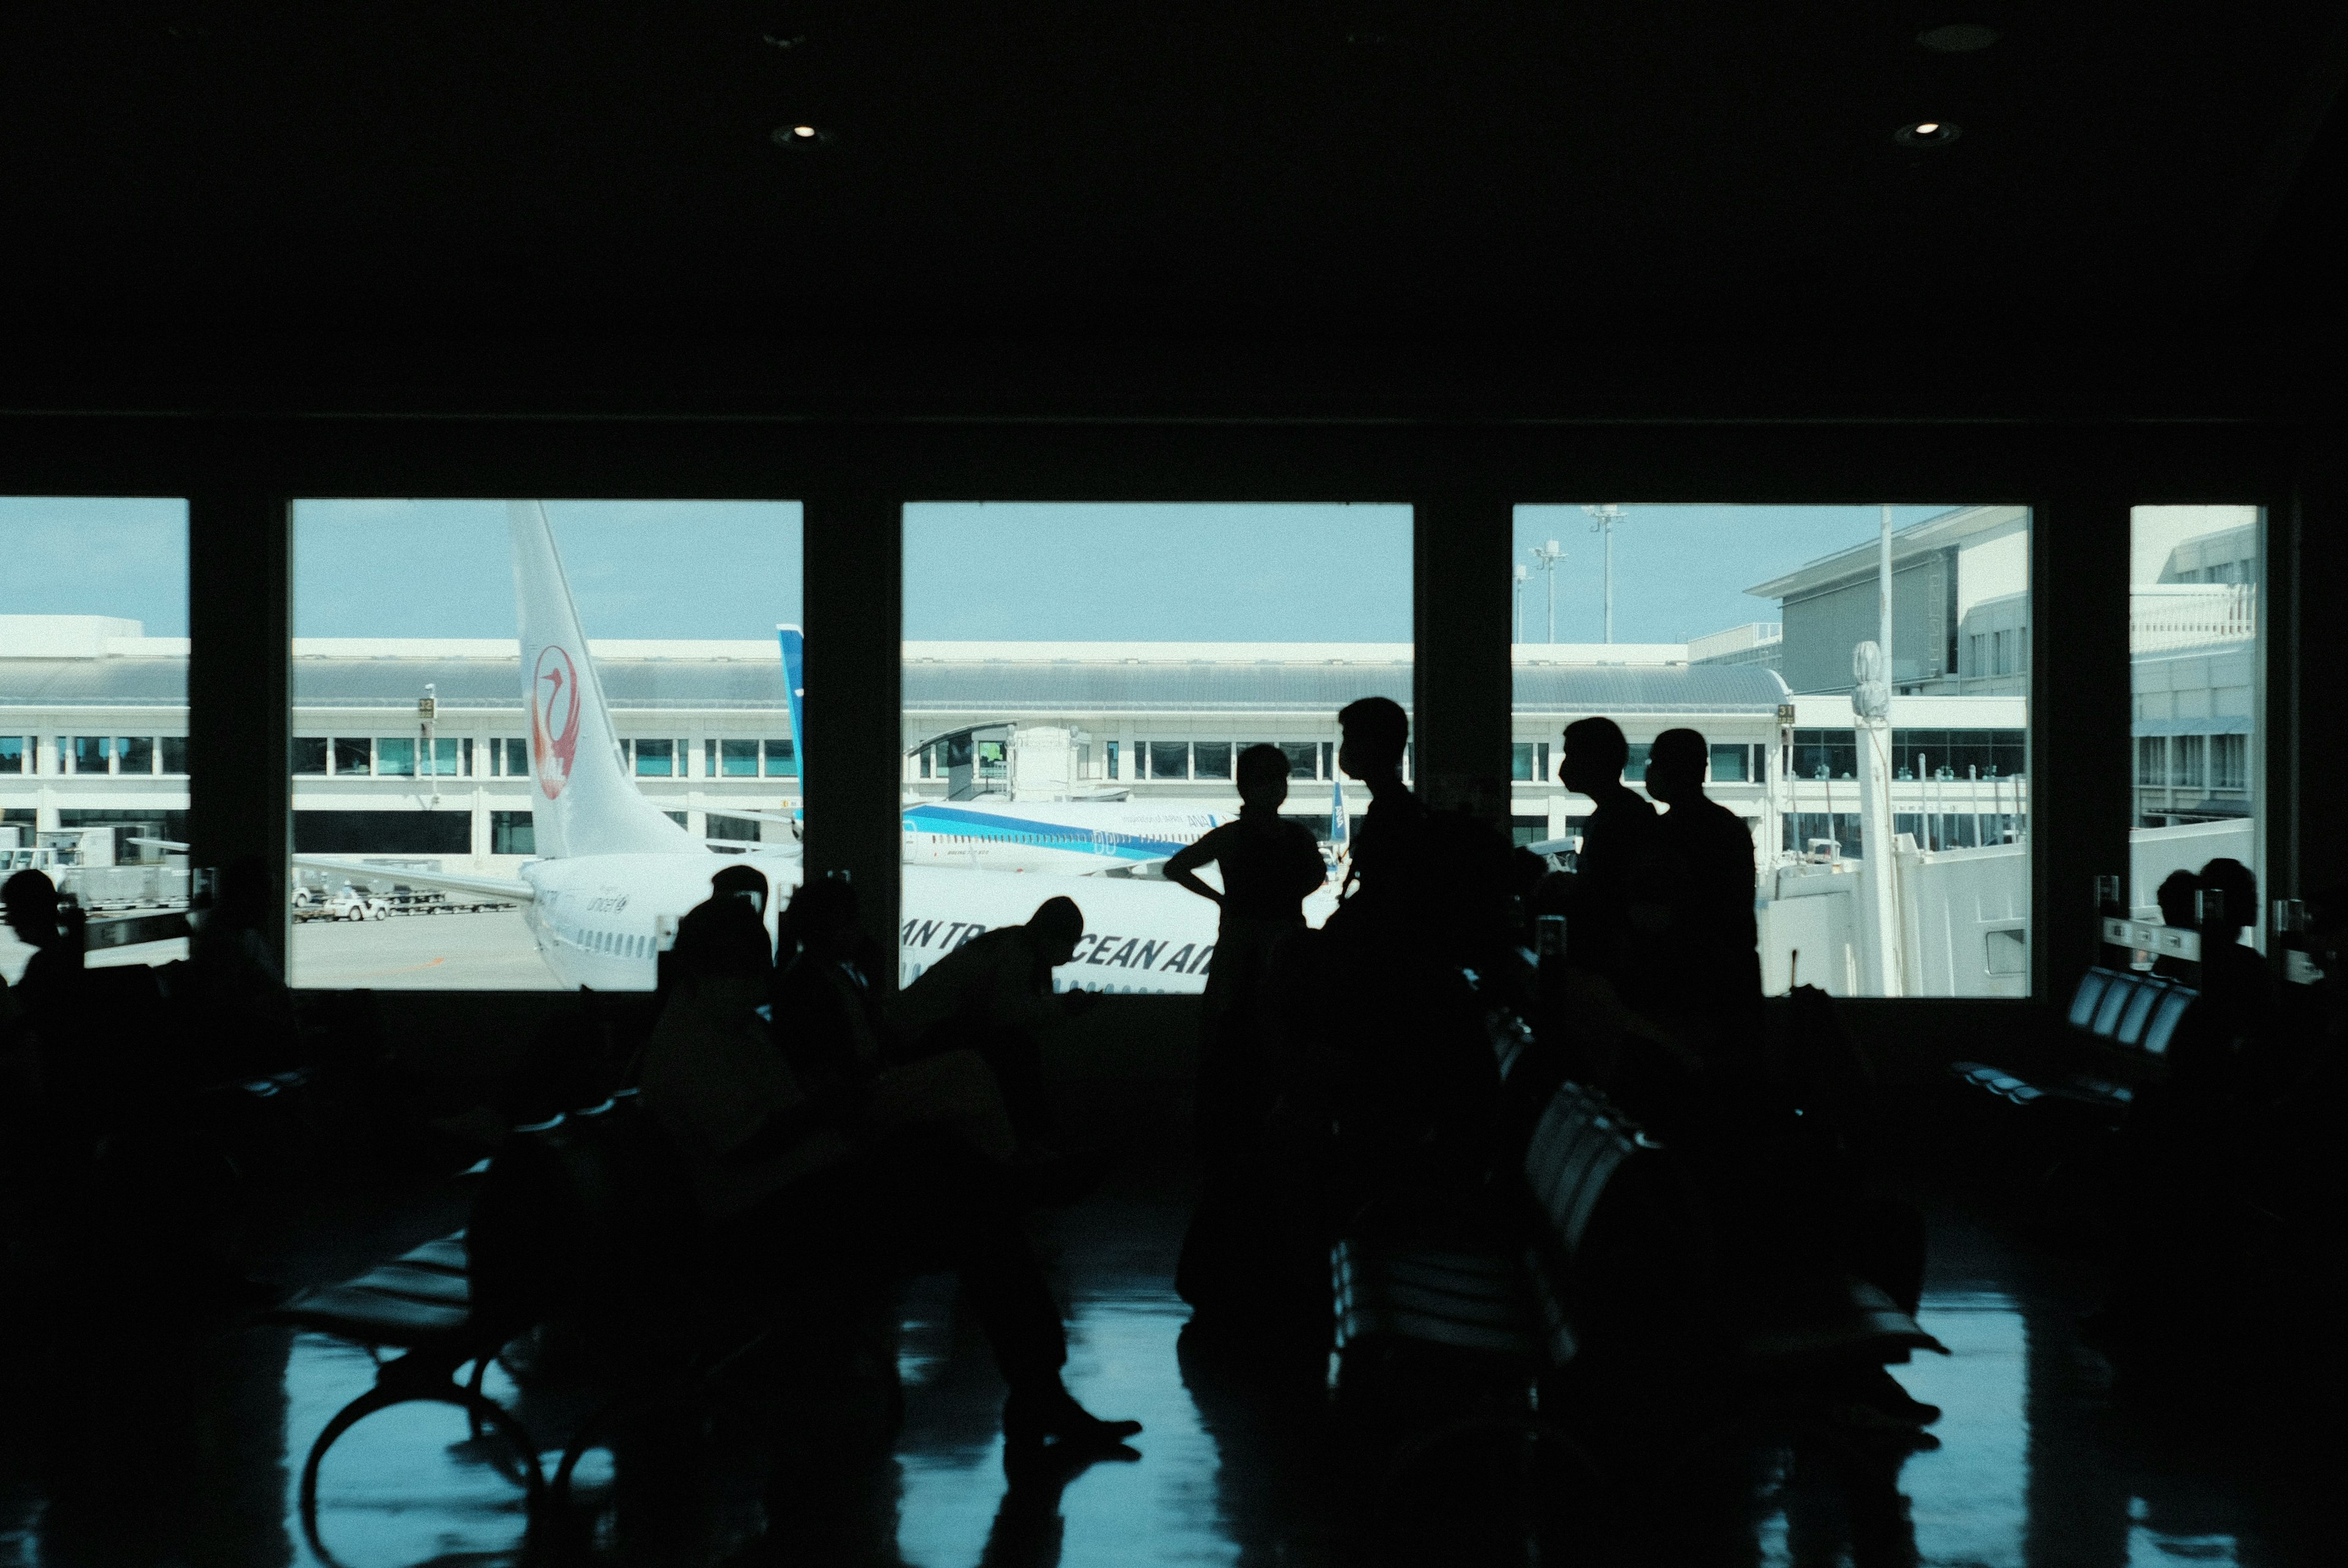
(1603, 519)
(428, 709)
(1548, 555)
(1523, 571)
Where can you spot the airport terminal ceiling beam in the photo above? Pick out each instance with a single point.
(1849, 462)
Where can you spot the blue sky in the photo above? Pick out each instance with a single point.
(1077, 571)
(79, 555)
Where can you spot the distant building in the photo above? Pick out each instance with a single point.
(1959, 608)
(1961, 626)
(1756, 642)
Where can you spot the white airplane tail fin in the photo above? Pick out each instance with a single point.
(584, 802)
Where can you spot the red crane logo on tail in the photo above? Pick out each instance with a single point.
(554, 720)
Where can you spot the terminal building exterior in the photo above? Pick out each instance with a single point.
(93, 716)
(92, 732)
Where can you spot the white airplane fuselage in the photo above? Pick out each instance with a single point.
(598, 918)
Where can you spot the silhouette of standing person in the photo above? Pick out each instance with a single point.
(1268, 866)
(1714, 943)
(1384, 885)
(1616, 868)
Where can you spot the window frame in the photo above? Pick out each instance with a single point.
(236, 493)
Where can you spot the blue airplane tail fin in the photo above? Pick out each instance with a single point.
(793, 643)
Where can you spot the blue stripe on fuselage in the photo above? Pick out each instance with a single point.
(988, 824)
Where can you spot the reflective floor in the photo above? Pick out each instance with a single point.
(179, 1442)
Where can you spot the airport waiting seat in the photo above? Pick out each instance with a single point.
(421, 1305)
(2138, 1012)
(1503, 1294)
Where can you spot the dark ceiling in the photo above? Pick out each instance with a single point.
(1604, 186)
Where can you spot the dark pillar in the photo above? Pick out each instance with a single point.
(2081, 757)
(2307, 582)
(241, 685)
(850, 770)
(1460, 685)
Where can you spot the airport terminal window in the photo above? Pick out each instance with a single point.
(309, 755)
(1743, 622)
(1125, 714)
(782, 759)
(660, 673)
(174, 753)
(1825, 754)
(93, 637)
(2196, 659)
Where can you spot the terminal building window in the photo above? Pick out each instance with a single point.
(1722, 619)
(434, 807)
(93, 644)
(782, 759)
(1124, 715)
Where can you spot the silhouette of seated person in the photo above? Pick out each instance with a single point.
(69, 1083)
(2194, 1143)
(2222, 1050)
(791, 1200)
(1711, 955)
(993, 994)
(840, 1039)
(241, 1017)
(51, 976)
(738, 881)
(2178, 899)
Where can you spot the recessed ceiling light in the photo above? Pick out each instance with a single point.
(797, 134)
(1927, 133)
(1958, 38)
